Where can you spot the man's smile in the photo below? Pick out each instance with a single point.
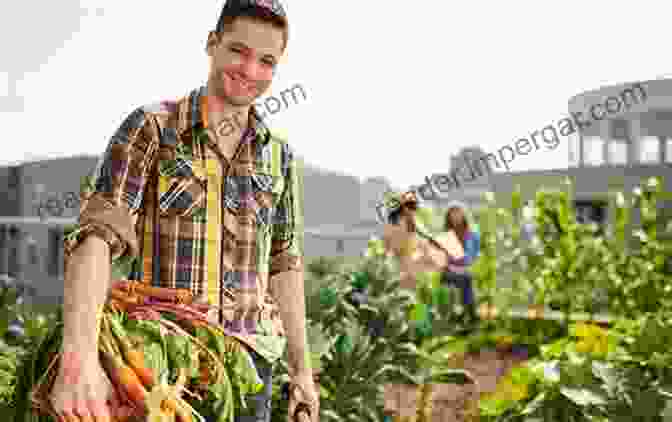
(239, 83)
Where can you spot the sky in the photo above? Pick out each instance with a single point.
(392, 89)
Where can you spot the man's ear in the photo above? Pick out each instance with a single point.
(211, 43)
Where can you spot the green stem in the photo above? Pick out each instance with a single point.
(567, 317)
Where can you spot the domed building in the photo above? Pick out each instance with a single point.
(622, 137)
(627, 125)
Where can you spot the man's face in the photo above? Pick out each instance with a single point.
(243, 61)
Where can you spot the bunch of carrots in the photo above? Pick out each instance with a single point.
(147, 391)
(157, 354)
(126, 367)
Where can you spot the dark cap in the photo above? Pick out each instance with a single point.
(237, 7)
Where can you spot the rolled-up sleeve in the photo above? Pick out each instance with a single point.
(113, 194)
(288, 225)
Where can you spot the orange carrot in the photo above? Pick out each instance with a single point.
(127, 380)
(205, 375)
(124, 298)
(134, 357)
(184, 415)
(136, 360)
(123, 376)
(204, 372)
(118, 305)
(168, 406)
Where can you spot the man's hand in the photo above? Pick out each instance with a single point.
(304, 391)
(289, 293)
(82, 391)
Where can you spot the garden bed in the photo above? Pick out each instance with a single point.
(452, 402)
(539, 312)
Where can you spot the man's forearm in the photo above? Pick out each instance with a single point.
(86, 281)
(291, 299)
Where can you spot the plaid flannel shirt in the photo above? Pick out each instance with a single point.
(162, 163)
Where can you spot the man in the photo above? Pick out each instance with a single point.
(209, 200)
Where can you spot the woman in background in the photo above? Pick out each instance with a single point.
(457, 272)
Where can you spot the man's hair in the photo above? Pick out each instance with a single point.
(257, 13)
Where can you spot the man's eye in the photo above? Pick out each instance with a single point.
(269, 63)
(235, 50)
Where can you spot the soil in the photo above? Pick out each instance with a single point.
(453, 402)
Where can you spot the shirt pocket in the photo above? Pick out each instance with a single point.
(270, 184)
(267, 190)
(182, 194)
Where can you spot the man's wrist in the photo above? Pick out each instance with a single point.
(80, 337)
(304, 378)
(300, 366)
(86, 350)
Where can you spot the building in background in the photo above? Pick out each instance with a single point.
(615, 153)
(40, 197)
(474, 181)
(634, 143)
(371, 192)
(341, 228)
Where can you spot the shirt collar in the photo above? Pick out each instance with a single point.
(191, 115)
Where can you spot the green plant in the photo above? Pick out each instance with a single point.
(638, 264)
(435, 368)
(10, 357)
(621, 373)
(15, 348)
(501, 245)
(567, 262)
(323, 266)
(596, 373)
(382, 334)
(373, 340)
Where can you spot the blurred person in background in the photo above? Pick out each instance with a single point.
(457, 271)
(418, 253)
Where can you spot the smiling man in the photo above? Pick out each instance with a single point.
(209, 200)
